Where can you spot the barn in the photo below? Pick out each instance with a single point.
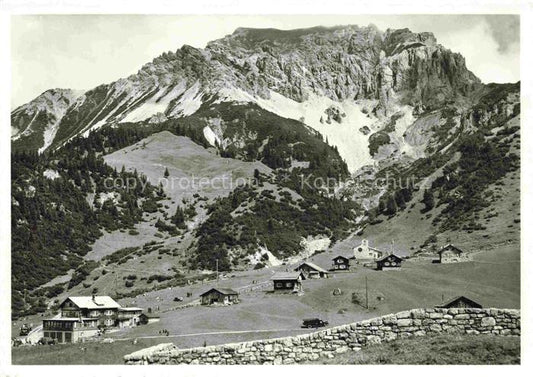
(451, 254)
(389, 262)
(224, 296)
(341, 263)
(312, 271)
(288, 281)
(460, 302)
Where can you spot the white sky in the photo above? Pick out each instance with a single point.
(83, 51)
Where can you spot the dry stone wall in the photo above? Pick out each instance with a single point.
(340, 339)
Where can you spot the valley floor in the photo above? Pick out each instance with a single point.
(492, 278)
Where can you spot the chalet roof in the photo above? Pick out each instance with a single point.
(224, 291)
(388, 255)
(450, 246)
(93, 302)
(286, 276)
(341, 256)
(131, 309)
(150, 315)
(313, 266)
(456, 298)
(70, 319)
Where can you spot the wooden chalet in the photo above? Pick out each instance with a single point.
(128, 317)
(288, 281)
(451, 254)
(312, 271)
(147, 318)
(389, 262)
(341, 263)
(460, 302)
(224, 296)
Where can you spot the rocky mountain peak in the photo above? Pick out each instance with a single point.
(51, 100)
(340, 63)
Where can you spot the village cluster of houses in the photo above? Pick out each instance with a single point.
(363, 254)
(82, 317)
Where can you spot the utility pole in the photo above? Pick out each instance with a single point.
(217, 270)
(366, 289)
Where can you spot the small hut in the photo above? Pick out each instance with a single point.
(224, 296)
(312, 271)
(389, 262)
(147, 318)
(341, 263)
(460, 302)
(451, 254)
(288, 281)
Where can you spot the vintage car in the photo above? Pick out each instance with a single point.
(25, 329)
(314, 323)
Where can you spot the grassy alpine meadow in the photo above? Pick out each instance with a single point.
(95, 353)
(436, 350)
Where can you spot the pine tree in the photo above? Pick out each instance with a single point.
(166, 174)
(392, 207)
(428, 200)
(179, 218)
(257, 176)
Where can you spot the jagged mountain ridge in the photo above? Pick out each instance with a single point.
(347, 63)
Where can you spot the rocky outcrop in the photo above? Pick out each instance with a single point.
(340, 339)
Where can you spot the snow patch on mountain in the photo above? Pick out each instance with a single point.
(158, 103)
(398, 137)
(189, 103)
(211, 137)
(49, 134)
(352, 144)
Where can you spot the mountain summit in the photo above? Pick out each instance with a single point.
(278, 69)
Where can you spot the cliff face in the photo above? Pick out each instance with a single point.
(347, 63)
(344, 63)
